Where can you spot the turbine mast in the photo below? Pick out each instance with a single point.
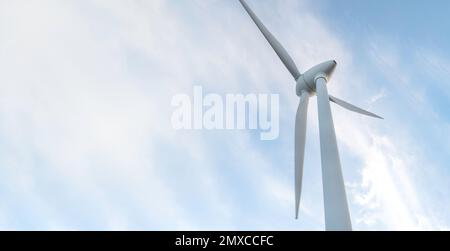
(337, 215)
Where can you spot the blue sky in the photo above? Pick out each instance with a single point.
(85, 106)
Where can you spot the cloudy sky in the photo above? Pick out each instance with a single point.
(86, 141)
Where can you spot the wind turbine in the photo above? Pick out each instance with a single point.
(314, 82)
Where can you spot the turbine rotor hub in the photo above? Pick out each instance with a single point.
(307, 81)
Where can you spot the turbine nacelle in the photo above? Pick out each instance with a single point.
(307, 81)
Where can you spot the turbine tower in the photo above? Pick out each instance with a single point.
(314, 83)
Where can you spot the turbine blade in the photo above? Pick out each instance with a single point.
(300, 140)
(353, 108)
(337, 215)
(279, 49)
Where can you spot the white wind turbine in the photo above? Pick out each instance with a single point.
(314, 82)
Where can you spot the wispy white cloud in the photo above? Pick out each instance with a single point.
(398, 176)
